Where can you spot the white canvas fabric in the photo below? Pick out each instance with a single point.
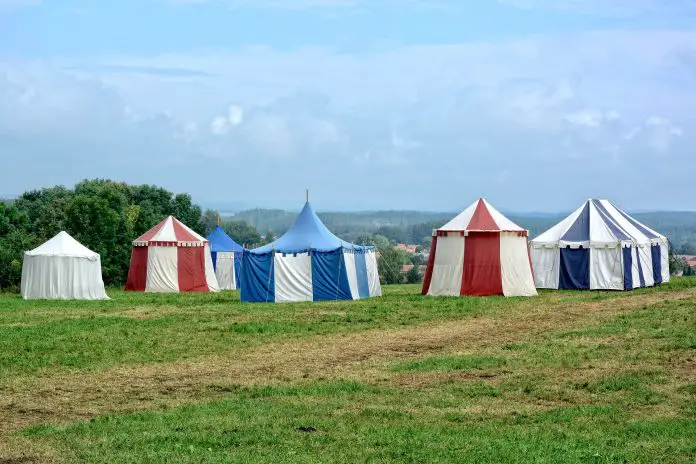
(608, 227)
(606, 268)
(224, 270)
(546, 265)
(162, 269)
(62, 269)
(448, 266)
(664, 258)
(503, 223)
(515, 268)
(554, 234)
(634, 268)
(210, 277)
(460, 221)
(372, 274)
(645, 254)
(351, 272)
(293, 277)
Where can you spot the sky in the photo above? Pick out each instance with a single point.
(536, 105)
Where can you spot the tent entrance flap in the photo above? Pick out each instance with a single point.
(575, 269)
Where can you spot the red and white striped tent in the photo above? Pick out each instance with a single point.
(170, 257)
(479, 252)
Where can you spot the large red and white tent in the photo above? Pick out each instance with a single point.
(479, 252)
(170, 257)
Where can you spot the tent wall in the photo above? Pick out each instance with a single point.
(162, 273)
(351, 273)
(546, 266)
(448, 264)
(62, 278)
(191, 269)
(664, 256)
(257, 283)
(361, 274)
(329, 276)
(293, 277)
(375, 287)
(606, 269)
(515, 266)
(224, 263)
(482, 272)
(137, 273)
(574, 272)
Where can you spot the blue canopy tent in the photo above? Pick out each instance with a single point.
(309, 263)
(227, 258)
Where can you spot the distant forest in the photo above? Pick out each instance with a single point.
(416, 226)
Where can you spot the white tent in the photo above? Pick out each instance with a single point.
(600, 247)
(62, 269)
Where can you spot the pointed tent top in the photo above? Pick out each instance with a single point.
(307, 232)
(482, 217)
(598, 222)
(221, 242)
(170, 231)
(62, 244)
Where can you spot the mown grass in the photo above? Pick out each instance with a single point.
(619, 387)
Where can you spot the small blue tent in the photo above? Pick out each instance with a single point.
(309, 263)
(227, 258)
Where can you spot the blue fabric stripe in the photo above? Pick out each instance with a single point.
(238, 260)
(575, 269)
(628, 268)
(258, 280)
(213, 255)
(656, 253)
(616, 230)
(361, 271)
(636, 224)
(580, 230)
(329, 276)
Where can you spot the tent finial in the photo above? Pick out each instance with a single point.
(307, 195)
(218, 218)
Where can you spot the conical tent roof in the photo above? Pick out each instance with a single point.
(307, 232)
(481, 217)
(598, 222)
(63, 245)
(169, 231)
(221, 242)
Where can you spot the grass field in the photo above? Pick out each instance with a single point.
(566, 377)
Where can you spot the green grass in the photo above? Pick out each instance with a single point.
(615, 385)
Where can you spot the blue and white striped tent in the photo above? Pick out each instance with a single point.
(227, 258)
(309, 263)
(600, 247)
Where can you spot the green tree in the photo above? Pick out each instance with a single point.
(390, 262)
(268, 238)
(242, 233)
(414, 276)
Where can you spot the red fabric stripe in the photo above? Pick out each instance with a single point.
(429, 270)
(137, 272)
(182, 234)
(151, 233)
(482, 219)
(481, 274)
(191, 267)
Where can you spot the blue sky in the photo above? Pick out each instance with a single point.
(535, 104)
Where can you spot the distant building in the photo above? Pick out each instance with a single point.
(411, 249)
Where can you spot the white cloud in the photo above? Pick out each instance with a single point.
(222, 124)
(412, 115)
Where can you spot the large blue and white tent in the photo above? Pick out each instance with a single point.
(309, 263)
(227, 258)
(600, 247)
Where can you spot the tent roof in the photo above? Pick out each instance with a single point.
(482, 217)
(169, 231)
(220, 241)
(599, 222)
(63, 245)
(307, 232)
